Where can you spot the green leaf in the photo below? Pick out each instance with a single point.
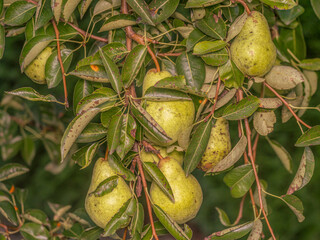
(197, 146)
(288, 16)
(36, 216)
(121, 170)
(162, 9)
(92, 132)
(223, 217)
(82, 89)
(236, 26)
(164, 95)
(84, 7)
(32, 95)
(53, 68)
(84, 156)
(243, 109)
(208, 47)
(74, 129)
(114, 132)
(316, 7)
(158, 177)
(194, 37)
(219, 58)
(133, 64)
(231, 75)
(210, 27)
(11, 170)
(295, 205)
(304, 172)
(118, 21)
(201, 3)
(193, 69)
(310, 64)
(19, 13)
(309, 138)
(94, 73)
(32, 231)
(91, 233)
(2, 40)
(56, 6)
(282, 154)
(112, 71)
(28, 150)
(240, 180)
(69, 8)
(235, 232)
(173, 228)
(43, 13)
(142, 9)
(280, 4)
(106, 116)
(66, 32)
(137, 220)
(106, 186)
(149, 124)
(11, 147)
(8, 211)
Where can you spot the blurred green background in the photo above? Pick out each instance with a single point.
(70, 186)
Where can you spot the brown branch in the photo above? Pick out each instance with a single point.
(144, 183)
(215, 100)
(61, 64)
(255, 146)
(170, 54)
(240, 211)
(244, 5)
(149, 148)
(287, 105)
(31, 1)
(106, 154)
(125, 234)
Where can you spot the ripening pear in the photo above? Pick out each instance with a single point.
(172, 116)
(253, 50)
(186, 191)
(219, 145)
(102, 208)
(36, 69)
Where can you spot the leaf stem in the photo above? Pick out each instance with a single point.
(244, 5)
(287, 105)
(150, 148)
(61, 64)
(172, 54)
(125, 234)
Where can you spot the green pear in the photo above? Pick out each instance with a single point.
(36, 69)
(102, 209)
(219, 145)
(186, 191)
(253, 50)
(172, 116)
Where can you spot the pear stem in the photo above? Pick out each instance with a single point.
(61, 64)
(252, 160)
(215, 100)
(144, 183)
(150, 148)
(244, 5)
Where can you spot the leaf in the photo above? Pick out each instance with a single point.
(114, 132)
(43, 13)
(234, 155)
(288, 16)
(112, 71)
(243, 109)
(201, 3)
(280, 4)
(194, 37)
(53, 69)
(164, 95)
(84, 7)
(19, 13)
(235, 232)
(56, 6)
(310, 64)
(32, 95)
(231, 75)
(158, 177)
(162, 9)
(295, 205)
(208, 47)
(92, 233)
(309, 138)
(106, 186)
(28, 150)
(197, 146)
(316, 7)
(282, 154)
(2, 40)
(92, 132)
(84, 156)
(256, 231)
(82, 89)
(106, 116)
(263, 122)
(74, 129)
(133, 64)
(137, 220)
(118, 21)
(304, 172)
(214, 28)
(240, 180)
(69, 8)
(94, 73)
(33, 231)
(36, 216)
(217, 58)
(192, 68)
(120, 170)
(8, 211)
(11, 170)
(236, 26)
(142, 9)
(173, 228)
(223, 217)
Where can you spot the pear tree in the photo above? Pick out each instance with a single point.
(156, 96)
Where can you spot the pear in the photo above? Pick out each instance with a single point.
(186, 191)
(253, 50)
(36, 69)
(102, 209)
(219, 145)
(172, 116)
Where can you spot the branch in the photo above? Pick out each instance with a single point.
(171, 54)
(61, 64)
(244, 5)
(144, 183)
(287, 105)
(149, 148)
(240, 210)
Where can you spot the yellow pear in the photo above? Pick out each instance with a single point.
(186, 191)
(219, 145)
(253, 50)
(173, 116)
(102, 208)
(36, 69)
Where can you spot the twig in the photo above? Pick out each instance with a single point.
(125, 234)
(144, 183)
(171, 54)
(215, 100)
(61, 64)
(287, 105)
(106, 154)
(240, 211)
(31, 1)
(255, 146)
(244, 5)
(149, 148)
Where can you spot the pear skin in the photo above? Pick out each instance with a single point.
(253, 50)
(102, 209)
(218, 147)
(186, 190)
(152, 77)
